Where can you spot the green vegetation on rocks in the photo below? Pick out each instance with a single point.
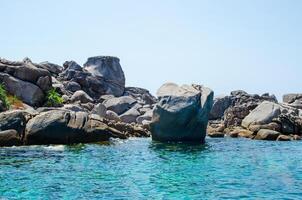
(3, 97)
(54, 98)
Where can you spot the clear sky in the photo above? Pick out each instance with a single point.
(254, 45)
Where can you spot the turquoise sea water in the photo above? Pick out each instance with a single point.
(137, 168)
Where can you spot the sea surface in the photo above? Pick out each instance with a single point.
(137, 168)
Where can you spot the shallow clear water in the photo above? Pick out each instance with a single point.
(224, 168)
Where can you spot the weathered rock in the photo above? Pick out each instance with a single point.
(74, 107)
(290, 98)
(52, 68)
(65, 127)
(81, 96)
(44, 82)
(119, 104)
(141, 95)
(262, 114)
(10, 138)
(111, 115)
(13, 119)
(284, 138)
(242, 104)
(147, 116)
(271, 126)
(110, 70)
(219, 106)
(181, 113)
(72, 86)
(100, 110)
(266, 134)
(129, 116)
(240, 132)
(26, 91)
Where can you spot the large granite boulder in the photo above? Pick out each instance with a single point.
(264, 113)
(66, 127)
(119, 104)
(109, 69)
(26, 91)
(242, 104)
(27, 80)
(14, 119)
(181, 113)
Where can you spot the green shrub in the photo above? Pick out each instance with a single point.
(3, 97)
(54, 98)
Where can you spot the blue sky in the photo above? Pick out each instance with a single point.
(254, 45)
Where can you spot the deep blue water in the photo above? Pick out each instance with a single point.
(224, 168)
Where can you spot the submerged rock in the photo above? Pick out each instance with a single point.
(181, 113)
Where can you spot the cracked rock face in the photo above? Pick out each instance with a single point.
(181, 113)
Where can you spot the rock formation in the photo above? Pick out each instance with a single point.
(181, 113)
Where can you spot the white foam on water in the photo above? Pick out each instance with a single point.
(55, 147)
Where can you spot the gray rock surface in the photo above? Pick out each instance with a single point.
(220, 105)
(111, 115)
(129, 116)
(81, 96)
(110, 70)
(100, 110)
(264, 113)
(119, 104)
(146, 116)
(290, 98)
(65, 127)
(181, 113)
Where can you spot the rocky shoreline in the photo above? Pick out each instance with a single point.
(45, 103)
(257, 117)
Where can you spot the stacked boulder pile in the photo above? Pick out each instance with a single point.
(96, 104)
(256, 117)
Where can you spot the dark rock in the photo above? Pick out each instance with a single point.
(26, 91)
(181, 113)
(141, 95)
(65, 127)
(14, 119)
(219, 106)
(72, 86)
(109, 69)
(10, 138)
(52, 68)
